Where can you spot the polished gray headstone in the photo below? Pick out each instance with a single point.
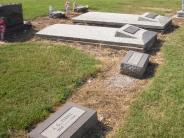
(148, 20)
(70, 121)
(127, 36)
(12, 13)
(135, 64)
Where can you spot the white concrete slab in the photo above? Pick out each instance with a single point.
(147, 20)
(140, 39)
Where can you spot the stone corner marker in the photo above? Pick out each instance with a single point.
(181, 12)
(135, 64)
(70, 121)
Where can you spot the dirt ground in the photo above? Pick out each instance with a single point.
(110, 93)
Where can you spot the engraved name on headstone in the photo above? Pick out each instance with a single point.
(61, 124)
(69, 121)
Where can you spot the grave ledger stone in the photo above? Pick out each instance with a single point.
(70, 121)
(147, 20)
(128, 36)
(135, 64)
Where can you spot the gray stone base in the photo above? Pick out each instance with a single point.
(57, 14)
(134, 64)
(70, 121)
(180, 14)
(81, 9)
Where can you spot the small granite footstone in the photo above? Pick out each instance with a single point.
(70, 121)
(135, 64)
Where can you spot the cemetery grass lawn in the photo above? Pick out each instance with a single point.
(36, 77)
(159, 110)
(35, 8)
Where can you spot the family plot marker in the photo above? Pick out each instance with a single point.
(71, 121)
(126, 37)
(148, 20)
(135, 64)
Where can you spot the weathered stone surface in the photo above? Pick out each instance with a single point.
(148, 20)
(70, 121)
(135, 64)
(122, 37)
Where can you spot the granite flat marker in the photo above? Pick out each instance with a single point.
(135, 64)
(70, 121)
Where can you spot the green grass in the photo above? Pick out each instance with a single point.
(34, 78)
(35, 8)
(159, 111)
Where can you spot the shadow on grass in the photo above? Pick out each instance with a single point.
(98, 132)
(150, 71)
(171, 29)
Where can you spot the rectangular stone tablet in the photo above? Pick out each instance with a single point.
(70, 121)
(132, 29)
(135, 64)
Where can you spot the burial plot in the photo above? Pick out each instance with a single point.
(135, 64)
(128, 36)
(70, 121)
(148, 20)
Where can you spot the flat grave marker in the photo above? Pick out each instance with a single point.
(135, 64)
(70, 121)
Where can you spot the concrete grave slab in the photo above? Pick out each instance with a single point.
(148, 20)
(135, 64)
(70, 121)
(128, 36)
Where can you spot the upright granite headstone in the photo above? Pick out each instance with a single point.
(70, 121)
(13, 14)
(135, 64)
(181, 13)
